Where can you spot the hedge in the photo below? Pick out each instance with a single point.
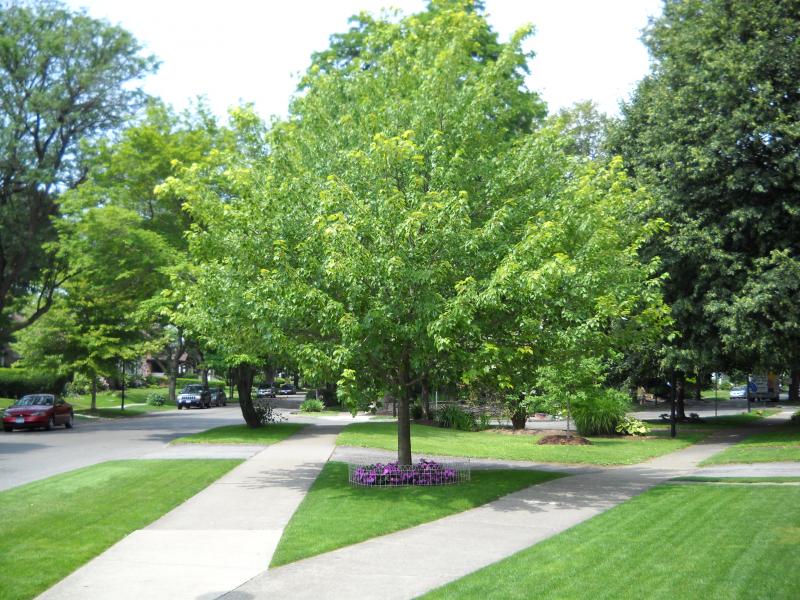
(18, 382)
(182, 381)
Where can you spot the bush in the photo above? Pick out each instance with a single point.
(80, 384)
(795, 418)
(312, 405)
(155, 399)
(484, 419)
(265, 412)
(18, 382)
(454, 417)
(631, 426)
(601, 414)
(416, 411)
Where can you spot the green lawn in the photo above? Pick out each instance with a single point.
(701, 541)
(491, 444)
(773, 446)
(721, 394)
(53, 526)
(242, 434)
(335, 514)
(723, 422)
(703, 479)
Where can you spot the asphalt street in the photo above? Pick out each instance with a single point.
(27, 456)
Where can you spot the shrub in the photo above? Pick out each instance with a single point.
(18, 382)
(795, 418)
(80, 384)
(155, 399)
(631, 426)
(182, 381)
(454, 417)
(484, 419)
(600, 415)
(265, 412)
(416, 411)
(312, 405)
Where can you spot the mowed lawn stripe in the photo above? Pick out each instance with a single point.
(53, 526)
(674, 541)
(773, 446)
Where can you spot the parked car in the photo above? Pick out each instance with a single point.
(38, 410)
(740, 391)
(287, 388)
(265, 391)
(194, 394)
(218, 397)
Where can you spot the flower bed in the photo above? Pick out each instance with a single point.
(425, 472)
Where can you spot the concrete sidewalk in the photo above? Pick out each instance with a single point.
(216, 540)
(411, 562)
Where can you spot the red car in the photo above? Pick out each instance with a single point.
(38, 410)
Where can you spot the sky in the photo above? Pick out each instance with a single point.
(254, 50)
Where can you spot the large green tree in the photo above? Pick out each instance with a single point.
(713, 132)
(412, 213)
(64, 80)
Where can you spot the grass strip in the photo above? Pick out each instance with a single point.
(53, 526)
(674, 541)
(334, 514)
(723, 422)
(242, 434)
(704, 479)
(772, 446)
(621, 450)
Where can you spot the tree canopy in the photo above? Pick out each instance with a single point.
(413, 220)
(712, 131)
(64, 80)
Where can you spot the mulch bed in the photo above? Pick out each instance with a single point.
(564, 440)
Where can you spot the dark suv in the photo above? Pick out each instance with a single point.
(194, 394)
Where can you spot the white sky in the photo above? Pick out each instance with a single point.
(253, 50)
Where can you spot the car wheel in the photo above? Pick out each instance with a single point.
(50, 423)
(7, 428)
(69, 422)
(179, 407)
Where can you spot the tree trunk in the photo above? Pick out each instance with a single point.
(680, 393)
(698, 388)
(520, 415)
(244, 385)
(794, 387)
(94, 392)
(404, 415)
(172, 376)
(204, 377)
(296, 380)
(426, 399)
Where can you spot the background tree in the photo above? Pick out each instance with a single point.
(712, 131)
(124, 174)
(64, 80)
(96, 321)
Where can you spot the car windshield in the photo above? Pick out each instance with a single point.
(35, 400)
(192, 389)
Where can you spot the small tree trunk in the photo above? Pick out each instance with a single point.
(404, 414)
(426, 399)
(244, 385)
(794, 387)
(94, 392)
(680, 391)
(520, 415)
(698, 389)
(172, 376)
(404, 428)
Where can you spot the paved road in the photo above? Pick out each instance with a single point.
(27, 456)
